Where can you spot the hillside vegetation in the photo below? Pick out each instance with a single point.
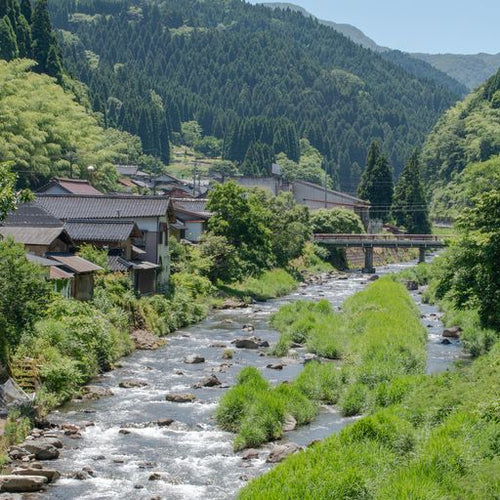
(45, 132)
(152, 65)
(468, 133)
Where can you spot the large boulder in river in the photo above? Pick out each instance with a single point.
(42, 449)
(180, 397)
(280, 452)
(194, 359)
(21, 484)
(289, 424)
(132, 384)
(50, 474)
(210, 381)
(95, 392)
(453, 332)
(246, 344)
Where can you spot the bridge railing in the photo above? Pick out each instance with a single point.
(378, 237)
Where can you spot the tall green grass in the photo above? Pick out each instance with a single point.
(428, 437)
(269, 285)
(379, 337)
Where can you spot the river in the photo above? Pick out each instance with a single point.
(193, 458)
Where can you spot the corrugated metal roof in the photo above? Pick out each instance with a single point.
(41, 261)
(101, 230)
(34, 235)
(196, 206)
(127, 169)
(31, 214)
(76, 264)
(144, 265)
(118, 264)
(67, 207)
(58, 274)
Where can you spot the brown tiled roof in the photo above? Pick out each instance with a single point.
(101, 230)
(34, 235)
(76, 264)
(66, 207)
(71, 186)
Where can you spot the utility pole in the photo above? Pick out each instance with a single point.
(326, 179)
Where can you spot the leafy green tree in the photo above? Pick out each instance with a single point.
(241, 218)
(191, 132)
(8, 42)
(209, 146)
(410, 207)
(8, 195)
(376, 183)
(24, 293)
(336, 221)
(471, 276)
(290, 228)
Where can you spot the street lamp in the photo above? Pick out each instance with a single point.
(90, 170)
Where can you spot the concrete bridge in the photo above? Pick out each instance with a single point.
(369, 241)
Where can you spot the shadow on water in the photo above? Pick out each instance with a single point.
(193, 458)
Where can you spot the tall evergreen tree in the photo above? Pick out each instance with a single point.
(377, 185)
(24, 37)
(8, 42)
(26, 10)
(44, 41)
(410, 208)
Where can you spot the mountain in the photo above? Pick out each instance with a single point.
(252, 76)
(471, 70)
(468, 70)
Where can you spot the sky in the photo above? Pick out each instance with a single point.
(432, 26)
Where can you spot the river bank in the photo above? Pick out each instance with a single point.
(191, 456)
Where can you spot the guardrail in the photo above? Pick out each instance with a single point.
(380, 237)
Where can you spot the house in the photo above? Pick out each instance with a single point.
(61, 185)
(151, 214)
(117, 238)
(309, 194)
(192, 217)
(49, 245)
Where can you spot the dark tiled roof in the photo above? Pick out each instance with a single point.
(104, 206)
(76, 264)
(34, 235)
(41, 261)
(101, 230)
(118, 264)
(31, 214)
(196, 206)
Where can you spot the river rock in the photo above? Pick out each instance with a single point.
(164, 422)
(246, 344)
(445, 341)
(50, 474)
(276, 366)
(80, 475)
(452, 332)
(250, 454)
(18, 453)
(290, 423)
(374, 277)
(95, 392)
(210, 381)
(310, 357)
(131, 384)
(411, 285)
(248, 328)
(124, 431)
(180, 397)
(194, 359)
(231, 304)
(145, 340)
(14, 483)
(154, 477)
(264, 343)
(219, 345)
(280, 452)
(42, 449)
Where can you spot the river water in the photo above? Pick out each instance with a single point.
(192, 457)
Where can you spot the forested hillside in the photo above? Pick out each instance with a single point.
(462, 154)
(255, 77)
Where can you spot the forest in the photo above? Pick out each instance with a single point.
(229, 65)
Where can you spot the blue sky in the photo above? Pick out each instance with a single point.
(434, 26)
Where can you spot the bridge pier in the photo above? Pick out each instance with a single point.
(421, 255)
(368, 260)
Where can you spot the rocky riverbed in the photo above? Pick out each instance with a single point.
(147, 429)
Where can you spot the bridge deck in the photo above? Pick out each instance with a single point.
(381, 240)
